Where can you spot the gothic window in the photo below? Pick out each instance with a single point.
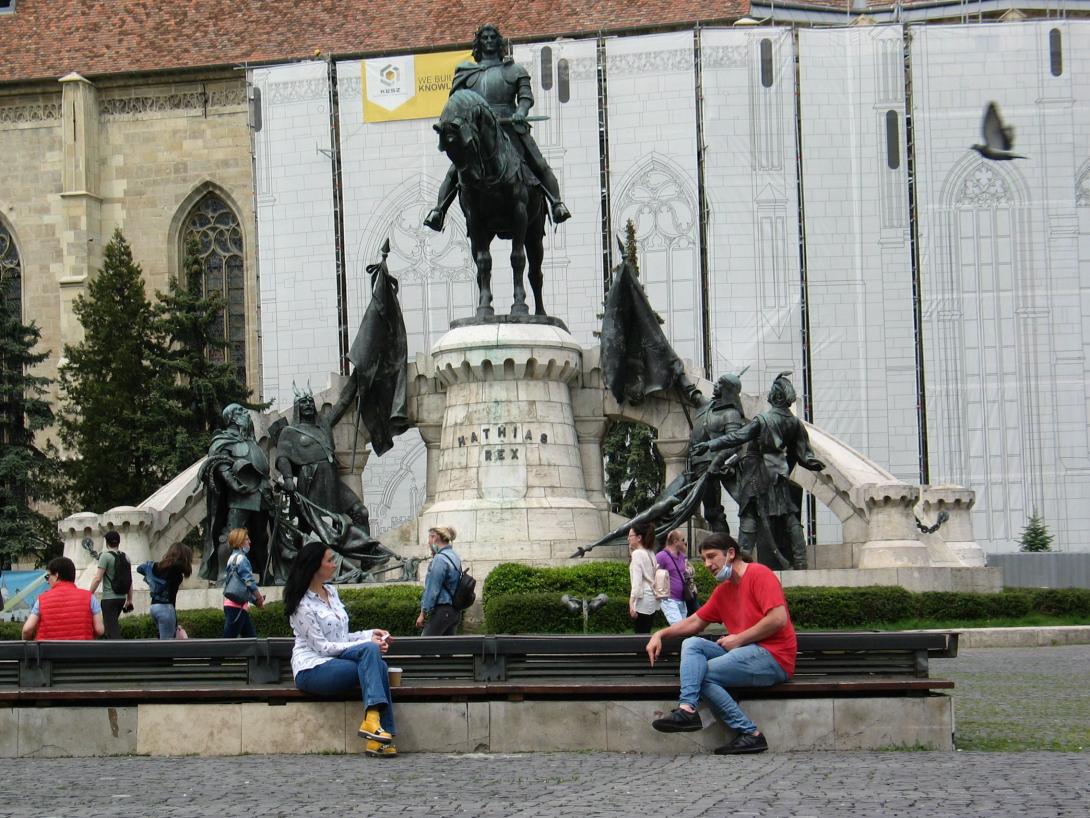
(223, 271)
(661, 201)
(11, 278)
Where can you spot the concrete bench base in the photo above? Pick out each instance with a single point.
(849, 723)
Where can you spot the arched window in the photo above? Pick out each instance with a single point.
(223, 271)
(11, 274)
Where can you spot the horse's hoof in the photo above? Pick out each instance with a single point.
(485, 312)
(434, 220)
(520, 309)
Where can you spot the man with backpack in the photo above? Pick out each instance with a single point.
(447, 589)
(115, 575)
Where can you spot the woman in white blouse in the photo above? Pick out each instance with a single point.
(327, 659)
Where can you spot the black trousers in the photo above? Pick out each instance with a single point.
(443, 621)
(111, 613)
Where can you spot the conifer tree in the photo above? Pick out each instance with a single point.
(634, 469)
(1035, 537)
(108, 386)
(29, 472)
(195, 387)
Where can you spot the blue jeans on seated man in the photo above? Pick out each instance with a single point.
(362, 668)
(707, 670)
(165, 616)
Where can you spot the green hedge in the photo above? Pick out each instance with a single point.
(584, 579)
(522, 599)
(542, 612)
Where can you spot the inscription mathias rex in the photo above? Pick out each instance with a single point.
(502, 441)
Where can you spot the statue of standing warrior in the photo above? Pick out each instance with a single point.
(766, 495)
(505, 85)
(238, 493)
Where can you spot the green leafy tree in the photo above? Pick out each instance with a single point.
(195, 384)
(108, 387)
(29, 474)
(634, 469)
(1035, 537)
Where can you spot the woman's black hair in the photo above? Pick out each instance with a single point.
(646, 532)
(302, 572)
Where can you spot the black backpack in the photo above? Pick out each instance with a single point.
(121, 576)
(465, 592)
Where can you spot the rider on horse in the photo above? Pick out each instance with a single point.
(505, 85)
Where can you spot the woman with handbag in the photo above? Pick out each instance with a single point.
(642, 602)
(327, 659)
(239, 588)
(164, 578)
(672, 558)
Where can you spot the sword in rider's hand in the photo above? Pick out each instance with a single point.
(506, 120)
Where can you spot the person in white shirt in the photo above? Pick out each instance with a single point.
(327, 659)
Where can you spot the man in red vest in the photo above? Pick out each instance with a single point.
(64, 611)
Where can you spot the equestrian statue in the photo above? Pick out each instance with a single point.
(497, 171)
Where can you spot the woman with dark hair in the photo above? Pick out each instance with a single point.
(164, 578)
(642, 603)
(236, 616)
(327, 659)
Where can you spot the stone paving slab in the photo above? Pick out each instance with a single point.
(594, 785)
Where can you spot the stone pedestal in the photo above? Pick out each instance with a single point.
(509, 470)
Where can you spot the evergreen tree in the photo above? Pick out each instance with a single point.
(1035, 537)
(108, 386)
(194, 388)
(29, 474)
(634, 469)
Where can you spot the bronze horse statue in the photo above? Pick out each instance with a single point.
(499, 195)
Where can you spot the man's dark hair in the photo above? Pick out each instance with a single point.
(113, 538)
(63, 567)
(720, 542)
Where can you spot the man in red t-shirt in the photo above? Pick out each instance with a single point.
(758, 650)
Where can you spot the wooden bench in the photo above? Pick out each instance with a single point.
(455, 668)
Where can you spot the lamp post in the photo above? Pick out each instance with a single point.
(587, 606)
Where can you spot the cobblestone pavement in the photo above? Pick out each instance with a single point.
(598, 785)
(1004, 695)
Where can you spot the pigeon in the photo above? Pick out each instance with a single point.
(998, 138)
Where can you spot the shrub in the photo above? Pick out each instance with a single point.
(847, 607)
(1062, 601)
(585, 579)
(542, 612)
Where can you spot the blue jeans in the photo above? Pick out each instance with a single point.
(707, 670)
(362, 668)
(165, 616)
(674, 610)
(237, 622)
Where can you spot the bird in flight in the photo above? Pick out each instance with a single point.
(998, 138)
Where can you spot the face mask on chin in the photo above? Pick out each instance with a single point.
(245, 549)
(434, 548)
(724, 572)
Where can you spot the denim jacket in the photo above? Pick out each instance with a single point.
(245, 571)
(442, 580)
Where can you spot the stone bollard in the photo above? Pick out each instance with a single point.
(892, 537)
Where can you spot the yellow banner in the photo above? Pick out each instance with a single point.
(408, 87)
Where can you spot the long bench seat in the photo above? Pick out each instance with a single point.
(466, 667)
(462, 693)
